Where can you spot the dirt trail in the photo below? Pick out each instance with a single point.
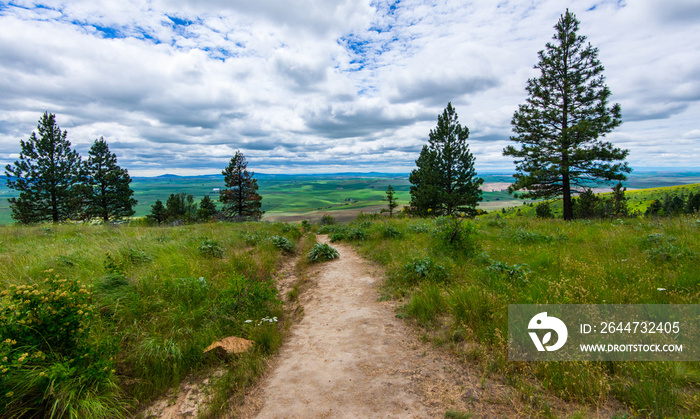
(351, 357)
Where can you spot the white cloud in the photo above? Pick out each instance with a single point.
(179, 85)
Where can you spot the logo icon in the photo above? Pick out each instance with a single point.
(543, 322)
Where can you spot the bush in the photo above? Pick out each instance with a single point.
(455, 233)
(138, 258)
(419, 228)
(391, 232)
(517, 272)
(253, 239)
(424, 269)
(329, 229)
(49, 361)
(337, 236)
(282, 243)
(292, 230)
(321, 253)
(327, 220)
(543, 210)
(356, 234)
(212, 249)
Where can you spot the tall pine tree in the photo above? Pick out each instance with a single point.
(391, 201)
(47, 176)
(241, 199)
(445, 182)
(560, 125)
(109, 194)
(207, 209)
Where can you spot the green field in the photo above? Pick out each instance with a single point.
(98, 319)
(295, 197)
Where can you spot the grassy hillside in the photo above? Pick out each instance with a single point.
(137, 307)
(459, 294)
(637, 200)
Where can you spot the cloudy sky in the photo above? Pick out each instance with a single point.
(177, 86)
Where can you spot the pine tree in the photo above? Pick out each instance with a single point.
(109, 193)
(445, 182)
(692, 204)
(560, 126)
(47, 176)
(241, 199)
(391, 201)
(181, 207)
(586, 205)
(158, 212)
(619, 201)
(207, 209)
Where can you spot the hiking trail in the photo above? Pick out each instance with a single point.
(350, 357)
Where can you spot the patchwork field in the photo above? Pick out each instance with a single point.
(296, 197)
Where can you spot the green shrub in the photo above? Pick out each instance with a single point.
(137, 257)
(337, 236)
(420, 270)
(211, 248)
(282, 243)
(49, 360)
(112, 266)
(518, 272)
(253, 239)
(322, 252)
(664, 248)
(327, 220)
(330, 229)
(543, 210)
(419, 228)
(391, 232)
(356, 234)
(455, 233)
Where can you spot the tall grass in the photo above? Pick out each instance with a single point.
(522, 260)
(159, 298)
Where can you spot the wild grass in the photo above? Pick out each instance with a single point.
(523, 260)
(161, 294)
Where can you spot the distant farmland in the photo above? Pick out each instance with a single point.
(294, 197)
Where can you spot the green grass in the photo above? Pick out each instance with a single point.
(522, 260)
(158, 299)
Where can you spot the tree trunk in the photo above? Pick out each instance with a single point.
(568, 209)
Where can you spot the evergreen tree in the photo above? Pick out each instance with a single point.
(562, 121)
(47, 176)
(109, 193)
(158, 212)
(445, 181)
(619, 201)
(391, 201)
(241, 199)
(653, 208)
(692, 204)
(425, 180)
(181, 207)
(207, 209)
(586, 205)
